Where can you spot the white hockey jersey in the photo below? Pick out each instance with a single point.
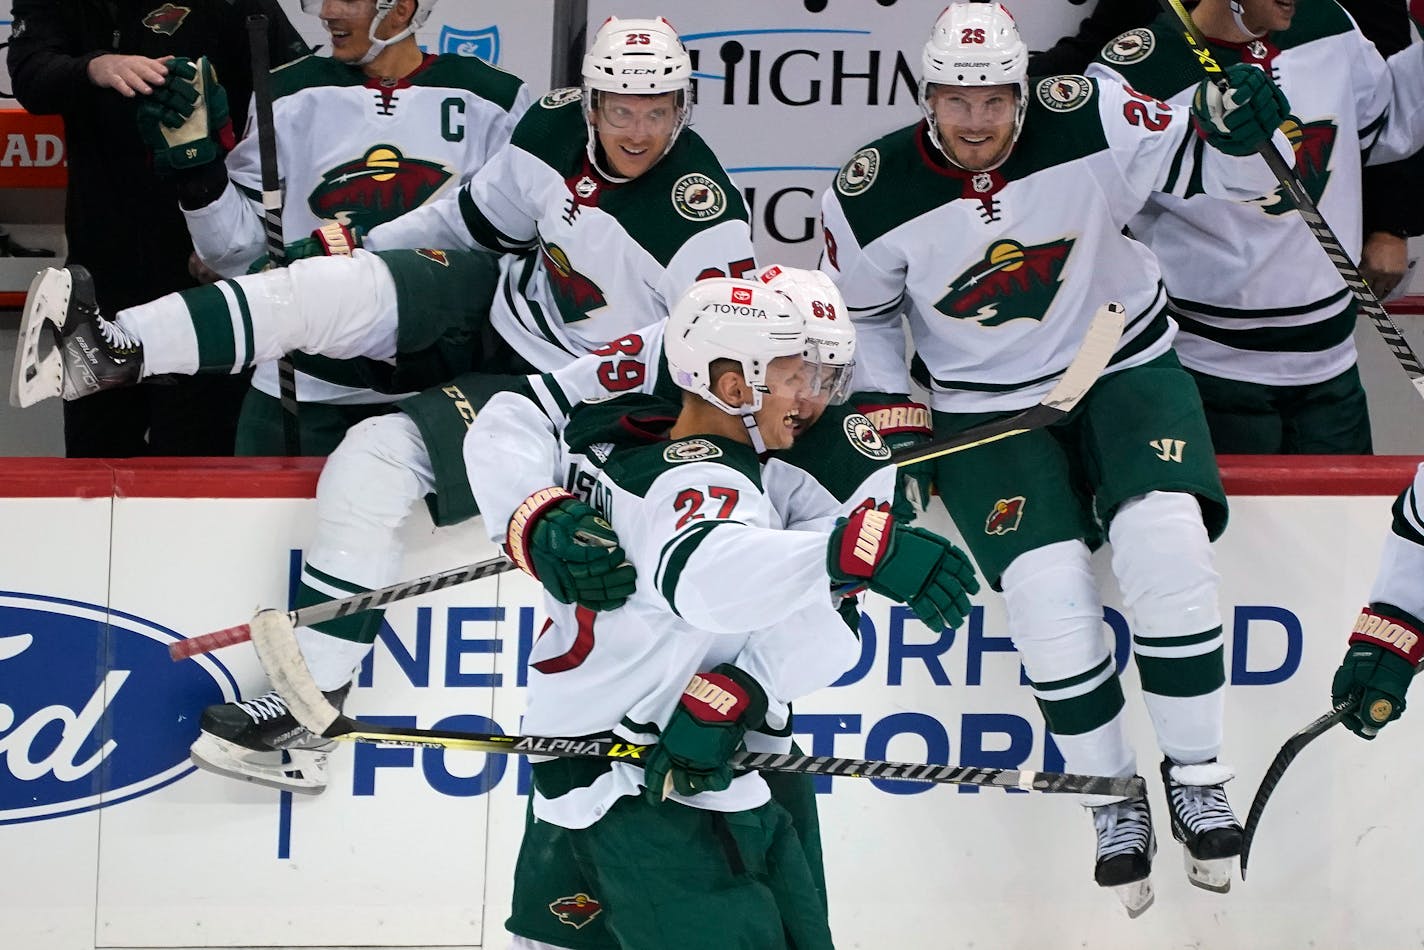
(1400, 581)
(1000, 272)
(595, 259)
(360, 151)
(1256, 296)
(838, 466)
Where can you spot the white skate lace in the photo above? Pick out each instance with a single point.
(267, 706)
(117, 339)
(1201, 808)
(1123, 828)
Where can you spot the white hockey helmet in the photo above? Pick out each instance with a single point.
(383, 7)
(974, 44)
(830, 336)
(636, 57)
(726, 318)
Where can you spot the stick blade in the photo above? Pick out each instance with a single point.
(1094, 353)
(276, 641)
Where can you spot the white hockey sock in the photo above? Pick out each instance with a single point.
(367, 489)
(340, 307)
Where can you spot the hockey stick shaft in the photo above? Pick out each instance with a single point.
(354, 730)
(272, 210)
(1309, 213)
(331, 609)
(1094, 353)
(1277, 770)
(1379, 712)
(274, 638)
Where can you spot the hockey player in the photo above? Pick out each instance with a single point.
(697, 524)
(1387, 646)
(1266, 321)
(645, 237)
(836, 467)
(995, 225)
(376, 129)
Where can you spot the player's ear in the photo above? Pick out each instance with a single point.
(731, 387)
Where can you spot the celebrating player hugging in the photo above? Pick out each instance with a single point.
(704, 649)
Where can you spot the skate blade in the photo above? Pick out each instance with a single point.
(1136, 897)
(1209, 875)
(304, 774)
(46, 305)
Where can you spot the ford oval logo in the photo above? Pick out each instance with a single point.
(92, 711)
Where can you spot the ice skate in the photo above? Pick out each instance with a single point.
(261, 741)
(1126, 845)
(1203, 822)
(65, 347)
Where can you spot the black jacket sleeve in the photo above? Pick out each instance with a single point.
(1072, 54)
(1392, 199)
(46, 72)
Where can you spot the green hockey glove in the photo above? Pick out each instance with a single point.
(902, 422)
(1240, 120)
(911, 565)
(695, 749)
(333, 239)
(1376, 671)
(571, 550)
(185, 121)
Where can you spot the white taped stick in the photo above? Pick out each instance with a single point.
(276, 641)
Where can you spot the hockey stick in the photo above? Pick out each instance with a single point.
(1096, 350)
(331, 609)
(277, 648)
(1309, 213)
(1380, 711)
(272, 211)
(1277, 770)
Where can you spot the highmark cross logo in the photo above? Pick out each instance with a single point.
(92, 711)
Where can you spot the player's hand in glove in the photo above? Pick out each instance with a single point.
(1243, 118)
(1376, 672)
(911, 565)
(185, 121)
(902, 423)
(695, 749)
(333, 239)
(571, 550)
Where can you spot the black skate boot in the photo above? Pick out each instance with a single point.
(1203, 822)
(261, 741)
(1126, 846)
(65, 347)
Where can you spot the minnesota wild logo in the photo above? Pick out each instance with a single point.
(380, 185)
(1011, 282)
(576, 295)
(1313, 142)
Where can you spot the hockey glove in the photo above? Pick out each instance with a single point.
(902, 423)
(1376, 672)
(330, 240)
(1243, 118)
(185, 121)
(911, 565)
(696, 747)
(568, 548)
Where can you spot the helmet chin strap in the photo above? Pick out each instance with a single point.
(758, 444)
(1237, 12)
(379, 46)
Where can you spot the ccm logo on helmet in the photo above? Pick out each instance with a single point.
(741, 295)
